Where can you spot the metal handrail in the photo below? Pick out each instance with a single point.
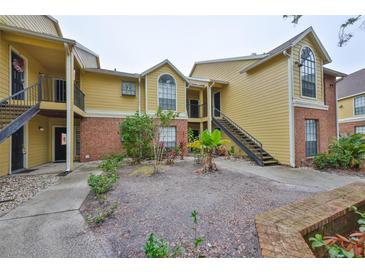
(253, 139)
(79, 97)
(11, 97)
(202, 110)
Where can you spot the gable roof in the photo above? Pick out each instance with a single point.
(112, 72)
(164, 62)
(351, 85)
(289, 44)
(230, 59)
(333, 72)
(86, 57)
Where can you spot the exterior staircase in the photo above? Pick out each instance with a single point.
(17, 109)
(250, 145)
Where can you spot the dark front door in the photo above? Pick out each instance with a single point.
(217, 104)
(17, 75)
(194, 109)
(60, 144)
(17, 150)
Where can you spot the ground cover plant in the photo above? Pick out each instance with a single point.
(347, 152)
(339, 246)
(161, 248)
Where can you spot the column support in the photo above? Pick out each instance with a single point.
(209, 107)
(69, 108)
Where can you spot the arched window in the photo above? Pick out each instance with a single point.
(167, 92)
(308, 72)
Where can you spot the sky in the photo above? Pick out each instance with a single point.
(136, 43)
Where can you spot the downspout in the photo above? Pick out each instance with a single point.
(139, 94)
(337, 123)
(291, 107)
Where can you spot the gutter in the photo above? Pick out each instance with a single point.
(37, 34)
(291, 107)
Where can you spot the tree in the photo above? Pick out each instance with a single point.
(208, 142)
(343, 35)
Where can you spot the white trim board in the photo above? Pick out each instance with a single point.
(309, 104)
(352, 119)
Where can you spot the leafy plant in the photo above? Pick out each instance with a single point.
(160, 248)
(182, 149)
(102, 183)
(191, 137)
(207, 143)
(111, 164)
(137, 133)
(163, 119)
(170, 156)
(198, 240)
(102, 215)
(339, 246)
(345, 153)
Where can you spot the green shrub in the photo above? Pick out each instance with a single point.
(345, 153)
(136, 134)
(102, 214)
(101, 184)
(160, 248)
(111, 164)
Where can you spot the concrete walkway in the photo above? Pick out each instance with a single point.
(301, 178)
(50, 224)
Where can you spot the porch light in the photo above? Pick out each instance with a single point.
(41, 128)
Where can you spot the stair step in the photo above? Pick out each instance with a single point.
(271, 162)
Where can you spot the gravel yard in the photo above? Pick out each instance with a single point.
(227, 202)
(16, 189)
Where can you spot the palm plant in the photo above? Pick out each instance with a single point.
(208, 142)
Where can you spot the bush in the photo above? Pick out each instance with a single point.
(111, 163)
(101, 184)
(136, 134)
(102, 214)
(345, 153)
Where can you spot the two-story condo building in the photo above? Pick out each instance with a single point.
(58, 104)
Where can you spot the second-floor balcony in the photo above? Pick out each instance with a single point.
(197, 110)
(53, 89)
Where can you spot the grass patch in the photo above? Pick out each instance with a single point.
(147, 170)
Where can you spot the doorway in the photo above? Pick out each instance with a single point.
(194, 108)
(17, 150)
(60, 144)
(217, 104)
(17, 75)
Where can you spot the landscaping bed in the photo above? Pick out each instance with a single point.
(16, 189)
(162, 203)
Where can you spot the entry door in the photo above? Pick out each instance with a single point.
(17, 150)
(217, 104)
(60, 144)
(194, 108)
(17, 75)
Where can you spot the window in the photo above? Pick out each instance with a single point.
(308, 72)
(167, 92)
(360, 130)
(129, 88)
(311, 138)
(168, 136)
(359, 105)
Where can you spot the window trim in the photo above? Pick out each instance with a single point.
(354, 111)
(175, 129)
(129, 82)
(158, 82)
(358, 127)
(315, 74)
(305, 137)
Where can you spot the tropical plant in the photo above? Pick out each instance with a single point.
(136, 134)
(207, 143)
(345, 153)
(339, 246)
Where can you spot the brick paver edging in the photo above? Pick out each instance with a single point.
(281, 231)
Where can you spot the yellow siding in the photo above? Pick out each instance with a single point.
(38, 141)
(346, 108)
(152, 79)
(37, 23)
(104, 93)
(4, 157)
(257, 101)
(4, 68)
(319, 72)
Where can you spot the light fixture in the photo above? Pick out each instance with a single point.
(41, 128)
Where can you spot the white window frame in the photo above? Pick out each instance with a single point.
(358, 127)
(315, 74)
(164, 132)
(158, 89)
(357, 97)
(127, 92)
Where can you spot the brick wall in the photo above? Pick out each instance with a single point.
(100, 136)
(349, 128)
(326, 123)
